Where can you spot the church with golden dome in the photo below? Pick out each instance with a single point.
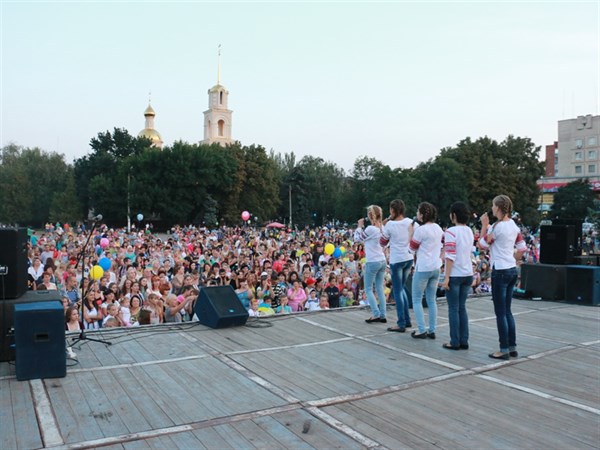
(217, 118)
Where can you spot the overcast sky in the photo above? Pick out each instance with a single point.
(397, 81)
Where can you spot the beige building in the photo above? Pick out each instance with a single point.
(217, 118)
(578, 150)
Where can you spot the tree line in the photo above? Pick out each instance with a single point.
(212, 185)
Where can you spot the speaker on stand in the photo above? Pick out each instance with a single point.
(13, 262)
(219, 307)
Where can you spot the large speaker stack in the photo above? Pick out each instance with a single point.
(32, 323)
(563, 274)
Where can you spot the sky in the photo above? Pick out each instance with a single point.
(396, 81)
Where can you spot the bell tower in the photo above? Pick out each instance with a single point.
(217, 118)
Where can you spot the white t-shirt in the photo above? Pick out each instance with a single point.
(370, 237)
(427, 244)
(505, 235)
(396, 232)
(458, 243)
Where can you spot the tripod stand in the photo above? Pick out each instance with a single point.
(81, 258)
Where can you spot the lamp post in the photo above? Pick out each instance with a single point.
(128, 202)
(542, 198)
(290, 199)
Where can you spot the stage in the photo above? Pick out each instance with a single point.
(320, 380)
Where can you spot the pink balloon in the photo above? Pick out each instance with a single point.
(104, 242)
(245, 215)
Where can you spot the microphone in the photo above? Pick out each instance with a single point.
(414, 220)
(97, 218)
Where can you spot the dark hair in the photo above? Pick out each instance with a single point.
(397, 206)
(428, 212)
(144, 317)
(461, 212)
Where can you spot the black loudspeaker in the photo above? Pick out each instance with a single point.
(583, 285)
(577, 229)
(13, 262)
(557, 244)
(7, 328)
(546, 281)
(219, 307)
(40, 340)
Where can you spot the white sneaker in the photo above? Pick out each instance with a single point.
(70, 353)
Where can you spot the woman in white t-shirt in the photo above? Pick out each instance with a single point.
(396, 233)
(374, 268)
(458, 245)
(501, 238)
(426, 242)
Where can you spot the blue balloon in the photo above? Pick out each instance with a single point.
(105, 263)
(337, 253)
(98, 250)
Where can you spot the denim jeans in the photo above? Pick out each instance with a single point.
(425, 282)
(503, 282)
(374, 273)
(400, 272)
(456, 296)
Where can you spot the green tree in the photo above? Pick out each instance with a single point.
(573, 200)
(65, 206)
(29, 179)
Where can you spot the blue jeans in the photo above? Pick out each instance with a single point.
(503, 282)
(425, 282)
(374, 273)
(400, 272)
(456, 296)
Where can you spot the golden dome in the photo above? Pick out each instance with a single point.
(149, 111)
(151, 134)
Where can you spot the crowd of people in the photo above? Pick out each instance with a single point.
(153, 278)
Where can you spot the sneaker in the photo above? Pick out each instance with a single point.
(70, 353)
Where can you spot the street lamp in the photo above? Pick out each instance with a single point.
(542, 206)
(128, 202)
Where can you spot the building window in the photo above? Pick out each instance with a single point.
(578, 156)
(578, 143)
(592, 154)
(221, 128)
(592, 141)
(592, 168)
(221, 98)
(578, 170)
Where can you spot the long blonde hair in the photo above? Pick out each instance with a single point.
(375, 214)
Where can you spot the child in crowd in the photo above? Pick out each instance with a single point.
(283, 308)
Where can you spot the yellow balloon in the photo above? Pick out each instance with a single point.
(343, 250)
(363, 261)
(96, 272)
(329, 249)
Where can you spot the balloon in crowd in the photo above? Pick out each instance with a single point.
(337, 253)
(140, 217)
(343, 250)
(329, 249)
(104, 242)
(105, 263)
(245, 215)
(278, 266)
(96, 272)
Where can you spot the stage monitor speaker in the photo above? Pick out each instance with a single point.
(557, 244)
(546, 281)
(219, 307)
(583, 285)
(40, 340)
(13, 262)
(7, 328)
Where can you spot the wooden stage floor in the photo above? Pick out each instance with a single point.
(320, 380)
